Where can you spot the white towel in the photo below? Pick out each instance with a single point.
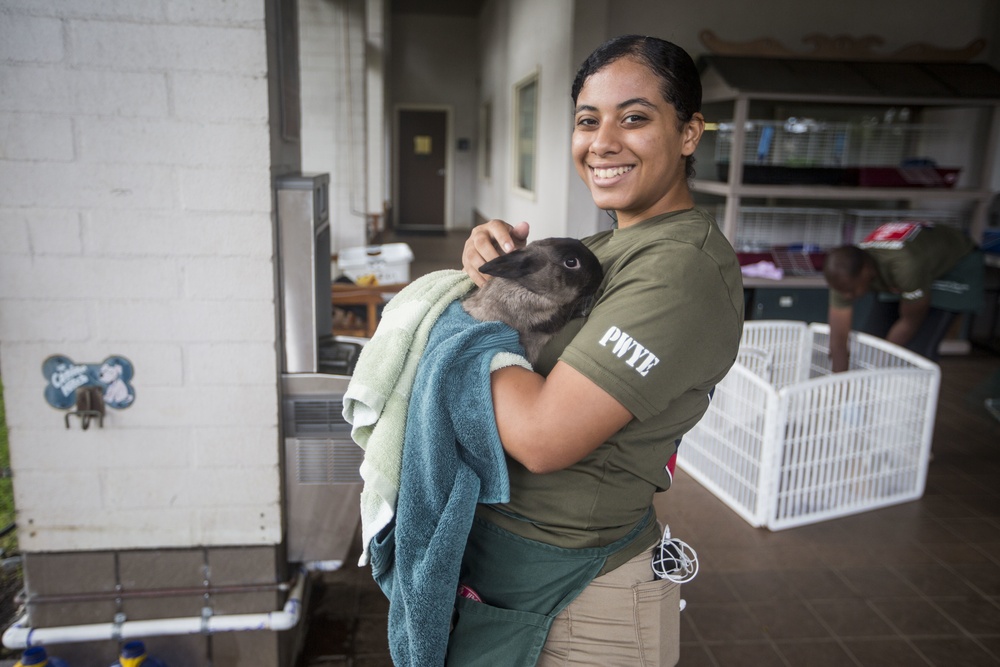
(378, 394)
(763, 269)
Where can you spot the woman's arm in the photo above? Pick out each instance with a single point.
(549, 423)
(545, 423)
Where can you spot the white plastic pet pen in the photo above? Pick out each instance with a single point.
(786, 442)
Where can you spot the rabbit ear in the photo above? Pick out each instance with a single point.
(517, 264)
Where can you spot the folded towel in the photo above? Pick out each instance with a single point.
(763, 269)
(452, 460)
(378, 394)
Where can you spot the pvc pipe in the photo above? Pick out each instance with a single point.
(21, 636)
(323, 565)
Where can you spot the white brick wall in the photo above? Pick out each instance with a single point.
(30, 39)
(333, 110)
(59, 89)
(34, 137)
(135, 213)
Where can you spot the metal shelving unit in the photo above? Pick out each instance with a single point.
(801, 90)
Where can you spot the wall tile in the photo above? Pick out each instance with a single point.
(67, 573)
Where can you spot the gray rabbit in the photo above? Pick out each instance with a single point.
(536, 290)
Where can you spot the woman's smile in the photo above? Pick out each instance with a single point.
(607, 175)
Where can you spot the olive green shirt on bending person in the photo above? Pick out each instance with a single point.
(910, 258)
(664, 329)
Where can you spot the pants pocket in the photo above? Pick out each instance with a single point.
(658, 622)
(489, 636)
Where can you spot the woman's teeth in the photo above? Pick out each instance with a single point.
(611, 173)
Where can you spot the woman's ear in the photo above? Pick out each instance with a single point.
(693, 129)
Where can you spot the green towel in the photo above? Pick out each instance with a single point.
(378, 394)
(452, 460)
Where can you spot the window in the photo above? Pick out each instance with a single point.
(525, 132)
(486, 141)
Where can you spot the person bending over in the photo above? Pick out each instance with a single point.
(901, 260)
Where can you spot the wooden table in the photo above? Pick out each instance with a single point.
(346, 294)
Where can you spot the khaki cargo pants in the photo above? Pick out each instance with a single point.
(626, 617)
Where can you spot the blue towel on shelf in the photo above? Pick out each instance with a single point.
(452, 460)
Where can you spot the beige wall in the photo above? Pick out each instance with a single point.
(332, 56)
(529, 37)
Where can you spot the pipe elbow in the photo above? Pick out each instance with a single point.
(17, 636)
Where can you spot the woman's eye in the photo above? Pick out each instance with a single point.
(634, 118)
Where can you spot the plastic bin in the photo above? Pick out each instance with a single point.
(787, 443)
(928, 176)
(388, 263)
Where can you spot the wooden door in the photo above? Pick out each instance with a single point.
(422, 175)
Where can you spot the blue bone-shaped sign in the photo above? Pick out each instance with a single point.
(64, 377)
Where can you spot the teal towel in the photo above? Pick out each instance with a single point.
(378, 394)
(452, 460)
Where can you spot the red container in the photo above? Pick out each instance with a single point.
(907, 177)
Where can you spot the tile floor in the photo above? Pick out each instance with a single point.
(915, 584)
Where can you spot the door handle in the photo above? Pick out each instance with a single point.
(440, 172)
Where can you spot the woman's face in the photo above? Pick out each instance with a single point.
(627, 145)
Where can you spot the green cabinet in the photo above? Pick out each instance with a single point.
(805, 304)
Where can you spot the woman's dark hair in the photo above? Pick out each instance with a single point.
(680, 82)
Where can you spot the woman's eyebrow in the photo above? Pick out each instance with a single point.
(641, 101)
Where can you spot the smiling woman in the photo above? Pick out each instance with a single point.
(592, 434)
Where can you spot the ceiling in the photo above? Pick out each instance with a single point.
(469, 8)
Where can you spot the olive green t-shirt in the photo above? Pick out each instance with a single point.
(909, 256)
(665, 327)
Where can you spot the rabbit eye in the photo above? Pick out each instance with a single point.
(571, 263)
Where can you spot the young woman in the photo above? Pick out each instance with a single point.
(562, 574)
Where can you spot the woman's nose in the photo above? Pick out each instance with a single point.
(606, 140)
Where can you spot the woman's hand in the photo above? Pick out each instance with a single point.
(487, 241)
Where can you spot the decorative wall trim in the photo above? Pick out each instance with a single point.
(841, 47)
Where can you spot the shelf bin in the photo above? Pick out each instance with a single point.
(786, 442)
(801, 151)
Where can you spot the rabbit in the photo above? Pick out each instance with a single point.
(537, 290)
